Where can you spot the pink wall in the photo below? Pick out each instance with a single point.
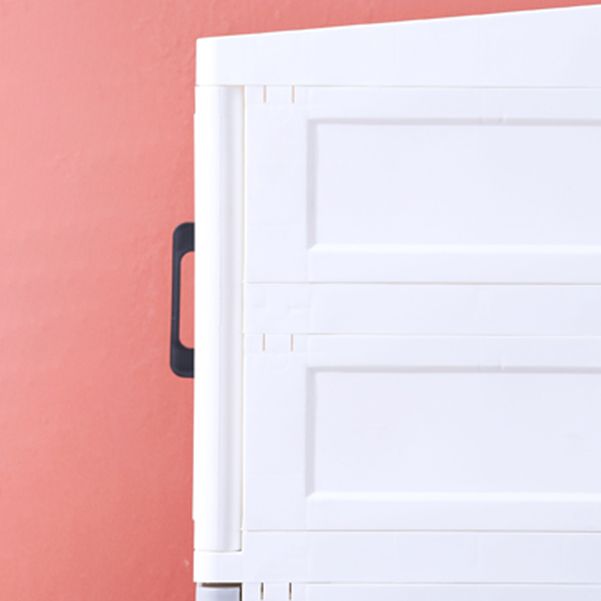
(95, 170)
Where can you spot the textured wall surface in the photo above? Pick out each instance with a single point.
(96, 100)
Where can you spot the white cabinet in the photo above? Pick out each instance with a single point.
(398, 308)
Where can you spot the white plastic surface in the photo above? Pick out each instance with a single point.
(403, 433)
(543, 48)
(450, 593)
(423, 310)
(388, 557)
(218, 319)
(423, 185)
(218, 593)
(399, 311)
(416, 592)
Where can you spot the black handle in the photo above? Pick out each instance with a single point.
(181, 357)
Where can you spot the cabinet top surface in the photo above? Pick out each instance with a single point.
(541, 48)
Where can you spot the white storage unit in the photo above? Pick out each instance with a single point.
(398, 309)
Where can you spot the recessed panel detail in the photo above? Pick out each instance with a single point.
(448, 432)
(444, 182)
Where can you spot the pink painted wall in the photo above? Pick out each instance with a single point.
(96, 102)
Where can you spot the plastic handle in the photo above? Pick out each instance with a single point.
(181, 357)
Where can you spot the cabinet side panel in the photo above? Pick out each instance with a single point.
(219, 135)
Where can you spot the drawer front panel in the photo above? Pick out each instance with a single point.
(423, 185)
(388, 432)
